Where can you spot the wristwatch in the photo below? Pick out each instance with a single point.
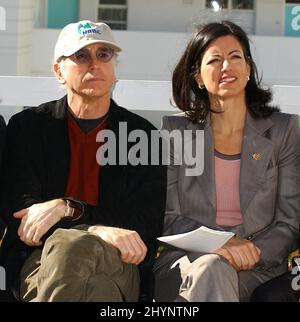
(69, 210)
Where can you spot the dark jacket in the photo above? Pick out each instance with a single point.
(36, 166)
(2, 140)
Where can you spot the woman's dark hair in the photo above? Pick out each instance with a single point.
(194, 101)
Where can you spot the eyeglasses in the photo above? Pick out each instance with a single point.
(84, 56)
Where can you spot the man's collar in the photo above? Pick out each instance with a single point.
(61, 106)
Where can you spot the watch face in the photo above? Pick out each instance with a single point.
(69, 211)
(73, 209)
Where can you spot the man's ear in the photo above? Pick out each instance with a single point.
(57, 68)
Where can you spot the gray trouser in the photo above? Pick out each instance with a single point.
(75, 265)
(204, 278)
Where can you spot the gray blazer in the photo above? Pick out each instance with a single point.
(269, 187)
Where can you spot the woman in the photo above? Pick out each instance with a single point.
(251, 179)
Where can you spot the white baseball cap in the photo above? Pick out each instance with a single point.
(75, 36)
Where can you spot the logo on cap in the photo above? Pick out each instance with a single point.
(85, 29)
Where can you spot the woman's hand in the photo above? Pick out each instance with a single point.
(38, 219)
(241, 254)
(128, 242)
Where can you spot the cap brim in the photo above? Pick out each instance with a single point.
(90, 42)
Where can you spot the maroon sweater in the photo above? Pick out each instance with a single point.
(84, 170)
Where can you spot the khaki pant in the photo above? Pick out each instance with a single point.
(75, 265)
(204, 278)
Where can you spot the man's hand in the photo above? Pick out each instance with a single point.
(38, 219)
(128, 242)
(241, 254)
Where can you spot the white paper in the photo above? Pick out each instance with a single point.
(202, 239)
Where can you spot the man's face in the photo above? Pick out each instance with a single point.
(89, 72)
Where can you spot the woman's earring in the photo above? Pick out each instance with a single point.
(248, 78)
(201, 86)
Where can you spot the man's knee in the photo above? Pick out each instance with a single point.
(67, 246)
(81, 249)
(67, 241)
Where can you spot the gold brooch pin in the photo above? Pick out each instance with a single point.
(256, 156)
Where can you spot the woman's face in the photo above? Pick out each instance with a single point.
(224, 70)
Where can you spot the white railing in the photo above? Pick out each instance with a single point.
(148, 98)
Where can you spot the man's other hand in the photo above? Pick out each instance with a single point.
(128, 242)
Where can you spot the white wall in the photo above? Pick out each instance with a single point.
(152, 55)
(16, 40)
(183, 15)
(166, 15)
(147, 98)
(278, 59)
(180, 15)
(88, 10)
(270, 17)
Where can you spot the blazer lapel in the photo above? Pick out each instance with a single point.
(256, 154)
(206, 181)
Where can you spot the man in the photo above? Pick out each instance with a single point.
(79, 231)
